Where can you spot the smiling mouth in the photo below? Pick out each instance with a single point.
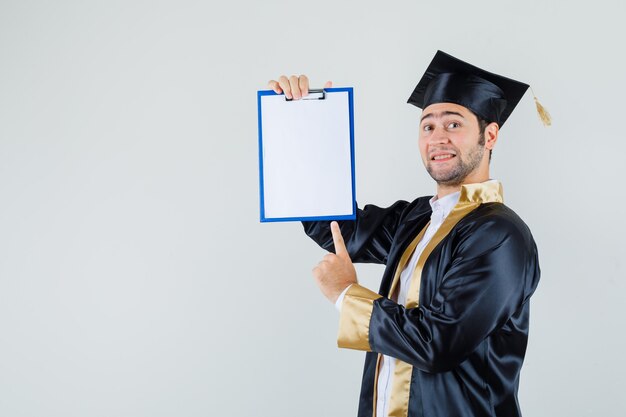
(442, 157)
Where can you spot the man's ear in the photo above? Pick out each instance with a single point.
(491, 135)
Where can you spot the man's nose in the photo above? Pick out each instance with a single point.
(439, 135)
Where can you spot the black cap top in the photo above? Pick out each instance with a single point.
(450, 80)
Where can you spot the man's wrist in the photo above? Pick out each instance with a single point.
(341, 297)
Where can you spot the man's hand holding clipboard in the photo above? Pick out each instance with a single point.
(306, 152)
(294, 87)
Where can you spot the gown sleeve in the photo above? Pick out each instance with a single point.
(493, 272)
(368, 238)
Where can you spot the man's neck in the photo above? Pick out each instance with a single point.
(444, 189)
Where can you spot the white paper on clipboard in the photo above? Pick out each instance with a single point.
(306, 157)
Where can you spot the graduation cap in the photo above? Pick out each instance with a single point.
(491, 96)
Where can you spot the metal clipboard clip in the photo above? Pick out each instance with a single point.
(315, 94)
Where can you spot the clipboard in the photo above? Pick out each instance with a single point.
(306, 156)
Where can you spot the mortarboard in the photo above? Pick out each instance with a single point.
(491, 96)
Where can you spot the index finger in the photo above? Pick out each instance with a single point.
(340, 246)
(273, 85)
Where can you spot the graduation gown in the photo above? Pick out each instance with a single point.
(461, 338)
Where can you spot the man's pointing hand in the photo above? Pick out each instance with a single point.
(335, 272)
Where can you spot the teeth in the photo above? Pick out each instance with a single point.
(442, 157)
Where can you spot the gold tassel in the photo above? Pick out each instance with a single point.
(541, 111)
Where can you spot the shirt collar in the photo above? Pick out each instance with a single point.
(445, 204)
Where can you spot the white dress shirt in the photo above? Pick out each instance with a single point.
(441, 208)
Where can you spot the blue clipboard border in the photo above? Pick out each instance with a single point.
(352, 216)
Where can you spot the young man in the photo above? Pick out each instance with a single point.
(446, 334)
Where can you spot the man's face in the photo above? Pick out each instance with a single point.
(451, 145)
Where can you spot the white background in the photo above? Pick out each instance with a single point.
(135, 277)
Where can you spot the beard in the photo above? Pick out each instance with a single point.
(464, 166)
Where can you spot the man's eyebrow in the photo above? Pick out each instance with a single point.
(441, 114)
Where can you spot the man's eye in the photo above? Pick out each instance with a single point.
(427, 128)
(453, 125)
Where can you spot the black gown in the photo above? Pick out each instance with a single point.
(461, 339)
